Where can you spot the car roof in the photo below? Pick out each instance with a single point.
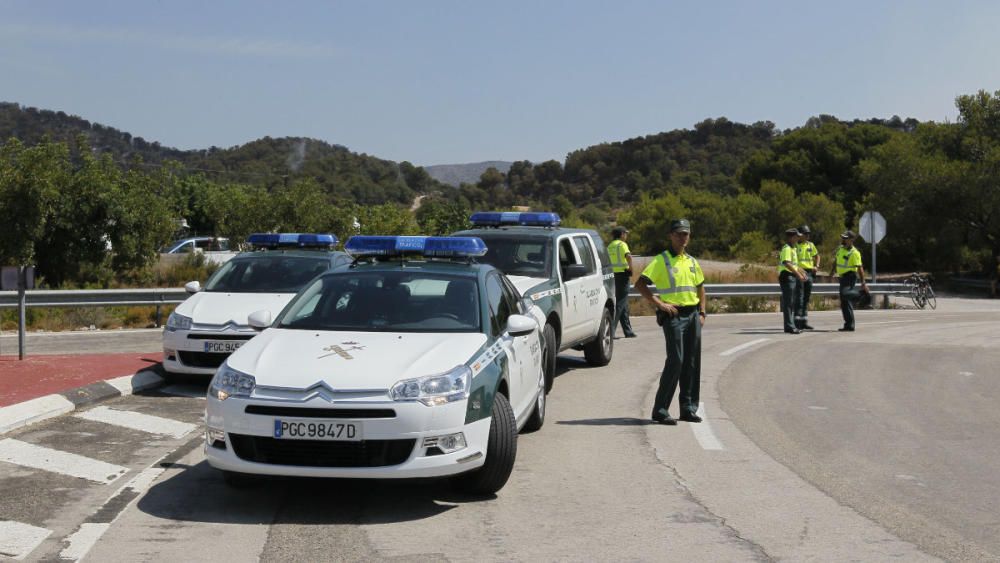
(519, 230)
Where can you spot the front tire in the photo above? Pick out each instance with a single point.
(598, 351)
(537, 418)
(549, 354)
(500, 453)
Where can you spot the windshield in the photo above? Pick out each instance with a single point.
(267, 274)
(391, 301)
(518, 257)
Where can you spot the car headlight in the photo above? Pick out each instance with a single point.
(229, 382)
(436, 389)
(177, 321)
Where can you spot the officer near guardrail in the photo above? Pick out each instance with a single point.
(808, 263)
(790, 277)
(621, 263)
(680, 310)
(848, 267)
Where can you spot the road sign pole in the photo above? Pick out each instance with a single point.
(22, 284)
(874, 269)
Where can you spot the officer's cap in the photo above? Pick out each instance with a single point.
(618, 231)
(680, 226)
(804, 229)
(848, 234)
(793, 232)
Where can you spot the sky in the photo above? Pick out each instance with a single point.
(441, 82)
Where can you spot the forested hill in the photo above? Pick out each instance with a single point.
(345, 175)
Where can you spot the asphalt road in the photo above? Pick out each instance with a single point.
(868, 446)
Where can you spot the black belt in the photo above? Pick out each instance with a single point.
(686, 308)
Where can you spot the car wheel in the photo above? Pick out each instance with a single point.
(598, 351)
(537, 418)
(239, 480)
(500, 453)
(549, 352)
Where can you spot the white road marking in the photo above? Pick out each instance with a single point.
(892, 322)
(818, 408)
(47, 459)
(966, 373)
(29, 412)
(743, 346)
(80, 542)
(703, 432)
(184, 391)
(17, 540)
(138, 421)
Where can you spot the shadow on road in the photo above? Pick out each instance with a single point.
(615, 421)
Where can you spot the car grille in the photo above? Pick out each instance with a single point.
(202, 359)
(319, 453)
(299, 412)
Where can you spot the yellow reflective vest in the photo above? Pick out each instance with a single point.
(848, 260)
(618, 250)
(787, 254)
(807, 253)
(676, 278)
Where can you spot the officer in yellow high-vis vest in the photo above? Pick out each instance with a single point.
(680, 310)
(848, 266)
(621, 263)
(808, 263)
(790, 278)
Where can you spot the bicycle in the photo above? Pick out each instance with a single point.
(920, 291)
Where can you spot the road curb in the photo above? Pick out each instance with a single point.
(24, 414)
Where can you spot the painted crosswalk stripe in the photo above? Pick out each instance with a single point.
(79, 542)
(703, 432)
(138, 421)
(17, 540)
(47, 459)
(743, 346)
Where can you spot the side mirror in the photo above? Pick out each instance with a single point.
(259, 320)
(573, 271)
(192, 287)
(520, 325)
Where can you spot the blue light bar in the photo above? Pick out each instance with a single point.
(528, 218)
(292, 240)
(363, 245)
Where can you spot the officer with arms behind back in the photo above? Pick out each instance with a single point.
(849, 268)
(808, 263)
(680, 310)
(790, 277)
(621, 262)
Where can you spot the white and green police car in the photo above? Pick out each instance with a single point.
(566, 272)
(416, 361)
(212, 323)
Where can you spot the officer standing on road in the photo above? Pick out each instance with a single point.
(808, 263)
(621, 262)
(790, 278)
(849, 268)
(680, 310)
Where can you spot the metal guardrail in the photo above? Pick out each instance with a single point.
(94, 297)
(773, 289)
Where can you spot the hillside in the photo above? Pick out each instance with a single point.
(345, 175)
(457, 174)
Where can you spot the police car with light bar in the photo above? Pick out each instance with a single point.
(566, 272)
(416, 361)
(212, 323)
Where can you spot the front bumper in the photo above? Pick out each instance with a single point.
(184, 350)
(393, 448)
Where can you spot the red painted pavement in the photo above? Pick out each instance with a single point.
(37, 376)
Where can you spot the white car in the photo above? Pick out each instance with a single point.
(426, 364)
(212, 323)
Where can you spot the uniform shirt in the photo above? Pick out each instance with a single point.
(787, 254)
(618, 250)
(676, 278)
(807, 253)
(848, 260)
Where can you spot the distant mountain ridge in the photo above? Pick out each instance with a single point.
(456, 174)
